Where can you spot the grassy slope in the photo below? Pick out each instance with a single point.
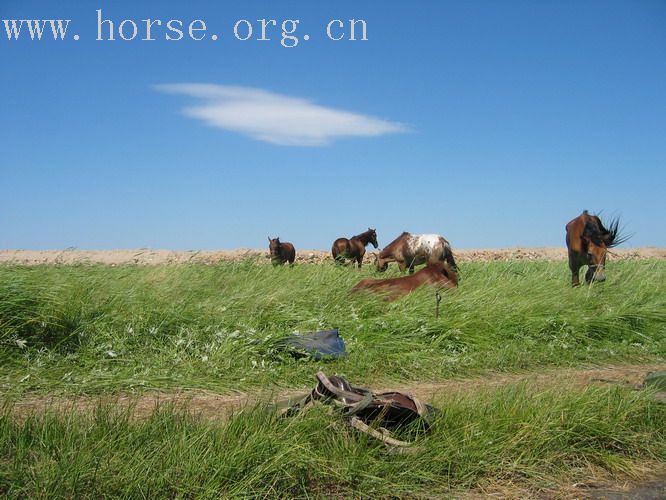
(95, 329)
(98, 329)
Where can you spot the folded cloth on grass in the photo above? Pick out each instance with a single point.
(316, 344)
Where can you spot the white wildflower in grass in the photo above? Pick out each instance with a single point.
(20, 343)
(204, 359)
(111, 354)
(130, 330)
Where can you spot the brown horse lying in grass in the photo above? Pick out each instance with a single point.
(438, 274)
(281, 251)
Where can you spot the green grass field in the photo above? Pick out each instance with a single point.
(96, 330)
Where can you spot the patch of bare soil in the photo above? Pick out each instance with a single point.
(146, 256)
(219, 406)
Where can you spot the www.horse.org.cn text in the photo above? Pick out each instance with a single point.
(289, 33)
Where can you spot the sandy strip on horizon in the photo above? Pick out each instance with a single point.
(147, 256)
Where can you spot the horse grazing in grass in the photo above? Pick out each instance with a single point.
(281, 251)
(410, 250)
(437, 273)
(588, 242)
(353, 248)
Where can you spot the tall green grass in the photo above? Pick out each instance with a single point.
(92, 329)
(511, 435)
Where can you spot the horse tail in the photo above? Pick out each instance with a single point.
(448, 256)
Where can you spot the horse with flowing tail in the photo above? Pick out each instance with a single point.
(354, 247)
(588, 241)
(410, 250)
(281, 252)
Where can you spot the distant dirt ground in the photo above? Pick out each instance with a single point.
(146, 256)
(219, 406)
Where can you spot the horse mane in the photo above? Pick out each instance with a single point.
(611, 236)
(364, 233)
(389, 247)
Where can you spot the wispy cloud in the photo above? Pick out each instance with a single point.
(276, 118)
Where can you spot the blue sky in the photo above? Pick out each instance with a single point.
(492, 123)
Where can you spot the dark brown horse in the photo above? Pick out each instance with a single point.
(353, 248)
(281, 251)
(588, 242)
(409, 250)
(438, 274)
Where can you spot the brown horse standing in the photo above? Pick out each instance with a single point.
(588, 242)
(410, 250)
(438, 274)
(353, 248)
(281, 251)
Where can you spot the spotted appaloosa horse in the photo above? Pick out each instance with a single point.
(281, 251)
(353, 248)
(588, 242)
(410, 250)
(437, 273)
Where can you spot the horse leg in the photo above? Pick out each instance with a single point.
(359, 256)
(402, 266)
(340, 259)
(575, 271)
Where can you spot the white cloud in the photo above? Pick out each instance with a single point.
(276, 118)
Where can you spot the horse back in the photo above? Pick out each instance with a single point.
(439, 274)
(428, 249)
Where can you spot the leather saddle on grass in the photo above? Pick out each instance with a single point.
(375, 414)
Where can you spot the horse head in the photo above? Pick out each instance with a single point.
(372, 237)
(382, 264)
(598, 240)
(450, 274)
(274, 246)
